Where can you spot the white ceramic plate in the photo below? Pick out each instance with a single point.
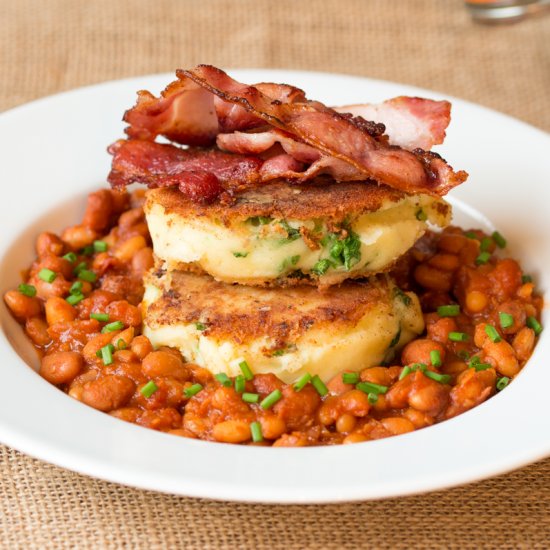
(53, 152)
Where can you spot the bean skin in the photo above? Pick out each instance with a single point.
(61, 367)
(108, 392)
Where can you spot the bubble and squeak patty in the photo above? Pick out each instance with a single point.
(321, 233)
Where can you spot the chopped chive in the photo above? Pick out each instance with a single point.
(419, 366)
(435, 358)
(107, 354)
(87, 275)
(405, 372)
(240, 383)
(121, 344)
(506, 319)
(100, 246)
(321, 267)
(493, 334)
(200, 326)
(526, 279)
(483, 258)
(256, 432)
(110, 346)
(70, 257)
(396, 338)
(481, 366)
(372, 398)
(111, 327)
(73, 299)
(223, 379)
(76, 288)
(485, 244)
(88, 250)
(47, 275)
(442, 378)
(471, 234)
(350, 377)
(250, 397)
(302, 381)
(192, 390)
(103, 317)
(421, 215)
(534, 324)
(463, 354)
(27, 290)
(245, 369)
(271, 399)
(500, 241)
(319, 385)
(80, 267)
(149, 389)
(369, 387)
(458, 337)
(240, 254)
(451, 310)
(502, 383)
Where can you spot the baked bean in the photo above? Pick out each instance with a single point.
(297, 408)
(126, 250)
(506, 278)
(476, 301)
(336, 385)
(23, 307)
(439, 328)
(97, 342)
(141, 346)
(123, 339)
(377, 375)
(128, 414)
(99, 208)
(48, 243)
(295, 439)
(131, 217)
(501, 353)
(44, 290)
(37, 329)
(61, 367)
(121, 310)
(523, 343)
(419, 419)
(354, 438)
(354, 402)
(231, 431)
(125, 356)
(272, 426)
(473, 387)
(59, 310)
(162, 363)
(444, 262)
(345, 423)
(56, 264)
(142, 261)
(432, 278)
(79, 236)
(452, 243)
(525, 291)
(419, 351)
(161, 419)
(427, 395)
(108, 392)
(397, 425)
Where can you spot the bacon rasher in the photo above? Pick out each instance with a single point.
(289, 136)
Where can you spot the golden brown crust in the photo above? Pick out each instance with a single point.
(243, 314)
(322, 198)
(297, 279)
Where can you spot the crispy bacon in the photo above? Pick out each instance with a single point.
(200, 174)
(276, 132)
(334, 135)
(411, 122)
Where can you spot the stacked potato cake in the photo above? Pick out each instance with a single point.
(287, 277)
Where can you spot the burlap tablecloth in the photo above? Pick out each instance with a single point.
(49, 46)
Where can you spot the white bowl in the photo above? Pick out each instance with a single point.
(53, 153)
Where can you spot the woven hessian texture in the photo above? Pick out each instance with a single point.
(46, 47)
